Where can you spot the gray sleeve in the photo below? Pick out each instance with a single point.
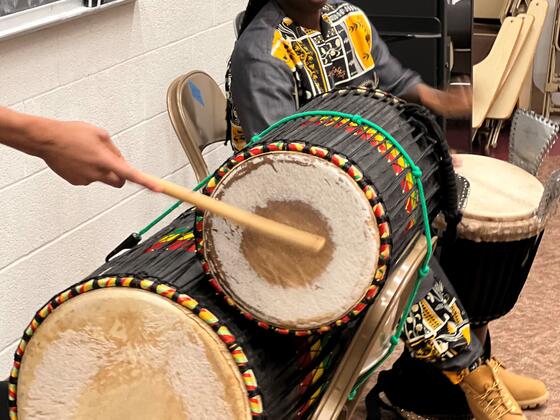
(393, 77)
(262, 91)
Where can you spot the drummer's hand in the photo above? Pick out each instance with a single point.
(82, 153)
(455, 103)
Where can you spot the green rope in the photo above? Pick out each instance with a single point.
(170, 209)
(416, 172)
(424, 270)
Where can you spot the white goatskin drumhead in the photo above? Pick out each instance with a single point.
(284, 285)
(499, 190)
(120, 353)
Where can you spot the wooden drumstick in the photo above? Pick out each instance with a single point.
(280, 231)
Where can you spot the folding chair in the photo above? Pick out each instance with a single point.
(197, 107)
(490, 74)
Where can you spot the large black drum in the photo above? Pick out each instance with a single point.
(144, 337)
(328, 171)
(498, 237)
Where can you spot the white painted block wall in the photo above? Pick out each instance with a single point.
(110, 69)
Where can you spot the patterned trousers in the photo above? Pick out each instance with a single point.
(437, 328)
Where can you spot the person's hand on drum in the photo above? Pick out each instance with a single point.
(78, 152)
(456, 102)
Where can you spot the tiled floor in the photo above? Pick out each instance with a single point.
(527, 340)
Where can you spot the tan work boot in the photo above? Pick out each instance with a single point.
(488, 397)
(528, 392)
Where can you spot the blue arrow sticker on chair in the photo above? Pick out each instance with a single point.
(196, 93)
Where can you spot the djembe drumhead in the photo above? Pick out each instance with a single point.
(283, 284)
(131, 362)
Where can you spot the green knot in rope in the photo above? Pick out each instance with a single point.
(357, 119)
(424, 271)
(352, 395)
(416, 172)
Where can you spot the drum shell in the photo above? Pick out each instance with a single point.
(283, 365)
(489, 276)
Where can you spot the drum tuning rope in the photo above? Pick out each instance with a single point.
(416, 172)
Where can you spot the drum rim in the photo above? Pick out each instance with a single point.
(243, 305)
(379, 211)
(238, 355)
(468, 215)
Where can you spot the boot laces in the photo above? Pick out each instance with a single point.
(495, 401)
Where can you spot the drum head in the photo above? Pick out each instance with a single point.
(283, 285)
(499, 191)
(121, 353)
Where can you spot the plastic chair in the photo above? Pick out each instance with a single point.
(371, 341)
(196, 107)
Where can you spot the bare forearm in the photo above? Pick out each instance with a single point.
(22, 131)
(80, 153)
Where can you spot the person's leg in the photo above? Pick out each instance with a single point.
(437, 331)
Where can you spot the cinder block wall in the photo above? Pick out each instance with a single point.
(111, 69)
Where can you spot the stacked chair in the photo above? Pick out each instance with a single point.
(502, 80)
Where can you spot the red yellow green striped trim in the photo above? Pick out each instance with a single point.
(369, 192)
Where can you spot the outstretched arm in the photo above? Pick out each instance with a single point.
(78, 152)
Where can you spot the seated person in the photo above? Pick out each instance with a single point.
(290, 51)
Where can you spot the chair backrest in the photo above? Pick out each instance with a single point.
(488, 75)
(489, 9)
(197, 109)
